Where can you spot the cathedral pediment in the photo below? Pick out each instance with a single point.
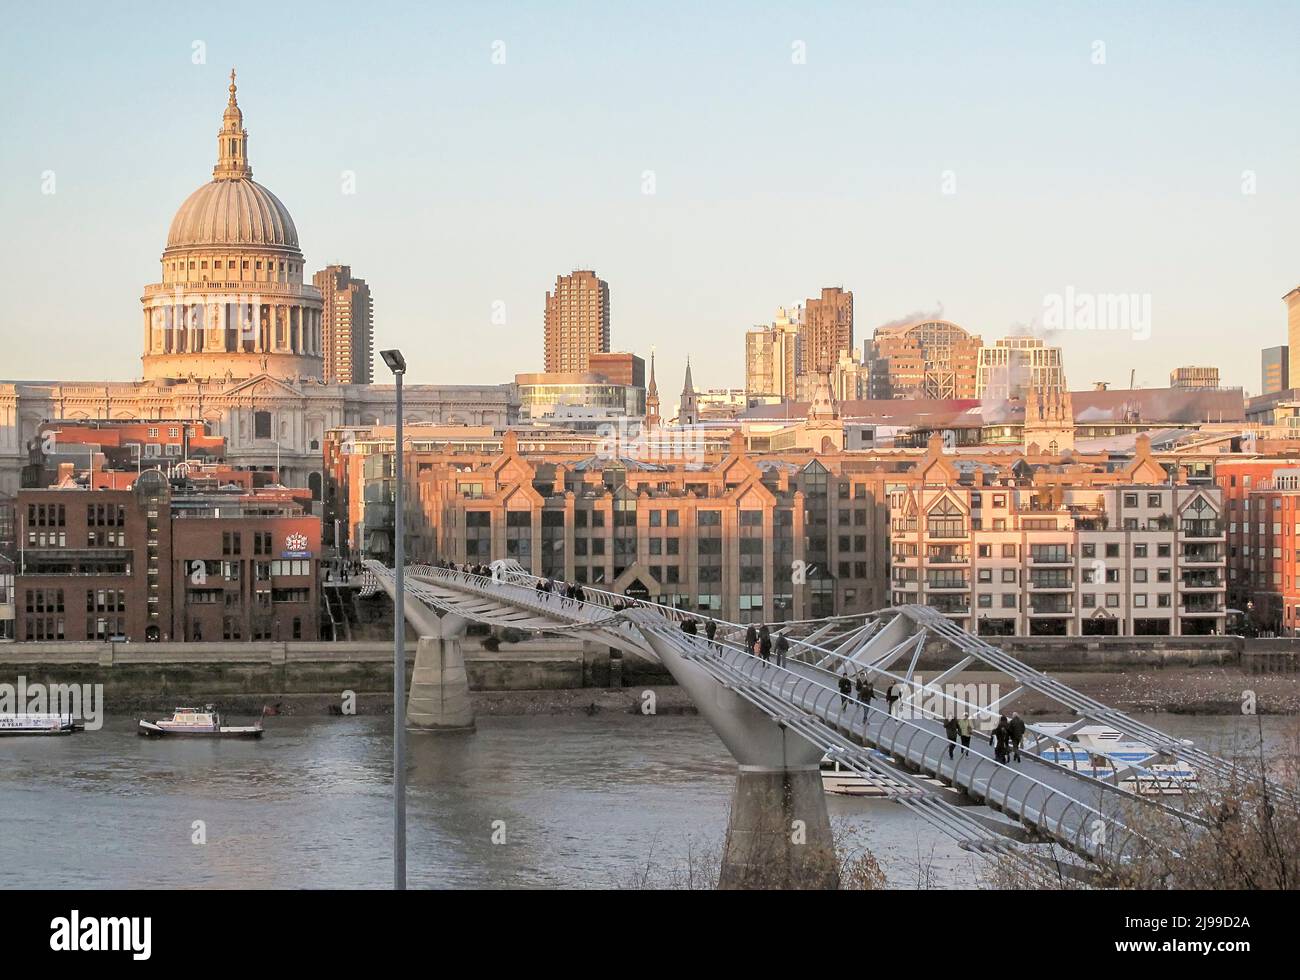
(262, 386)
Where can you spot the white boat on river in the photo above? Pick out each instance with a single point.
(38, 724)
(202, 722)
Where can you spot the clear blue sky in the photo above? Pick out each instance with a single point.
(479, 182)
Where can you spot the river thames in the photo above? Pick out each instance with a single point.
(526, 802)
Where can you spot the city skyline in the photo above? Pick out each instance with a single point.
(472, 200)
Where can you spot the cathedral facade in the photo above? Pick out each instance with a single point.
(232, 337)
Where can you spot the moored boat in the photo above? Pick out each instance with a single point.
(38, 724)
(1106, 754)
(205, 722)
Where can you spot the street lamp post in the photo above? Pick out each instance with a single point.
(397, 364)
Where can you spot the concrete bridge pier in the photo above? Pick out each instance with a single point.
(439, 697)
(438, 700)
(779, 831)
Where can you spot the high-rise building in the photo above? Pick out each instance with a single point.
(1194, 377)
(927, 359)
(1013, 366)
(577, 321)
(1274, 371)
(771, 359)
(1292, 300)
(348, 326)
(827, 329)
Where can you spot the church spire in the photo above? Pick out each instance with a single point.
(652, 396)
(688, 407)
(232, 142)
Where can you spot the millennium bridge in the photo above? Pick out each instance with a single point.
(781, 721)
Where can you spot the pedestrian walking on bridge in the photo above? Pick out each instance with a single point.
(1016, 730)
(846, 688)
(782, 648)
(865, 693)
(963, 732)
(1000, 738)
(892, 694)
(950, 730)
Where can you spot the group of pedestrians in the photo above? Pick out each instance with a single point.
(759, 642)
(344, 567)
(567, 592)
(862, 686)
(1005, 738)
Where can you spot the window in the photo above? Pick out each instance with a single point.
(1009, 575)
(945, 520)
(1130, 500)
(1009, 600)
(1008, 551)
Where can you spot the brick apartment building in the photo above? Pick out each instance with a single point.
(1262, 497)
(741, 538)
(150, 564)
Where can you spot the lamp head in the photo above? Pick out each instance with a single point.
(395, 361)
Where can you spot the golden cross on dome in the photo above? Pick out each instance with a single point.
(232, 86)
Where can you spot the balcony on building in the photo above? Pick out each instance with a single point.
(946, 529)
(1202, 605)
(1202, 579)
(949, 605)
(1050, 580)
(1203, 528)
(947, 581)
(1050, 554)
(1051, 605)
(947, 554)
(1202, 554)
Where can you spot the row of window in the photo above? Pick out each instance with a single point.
(230, 264)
